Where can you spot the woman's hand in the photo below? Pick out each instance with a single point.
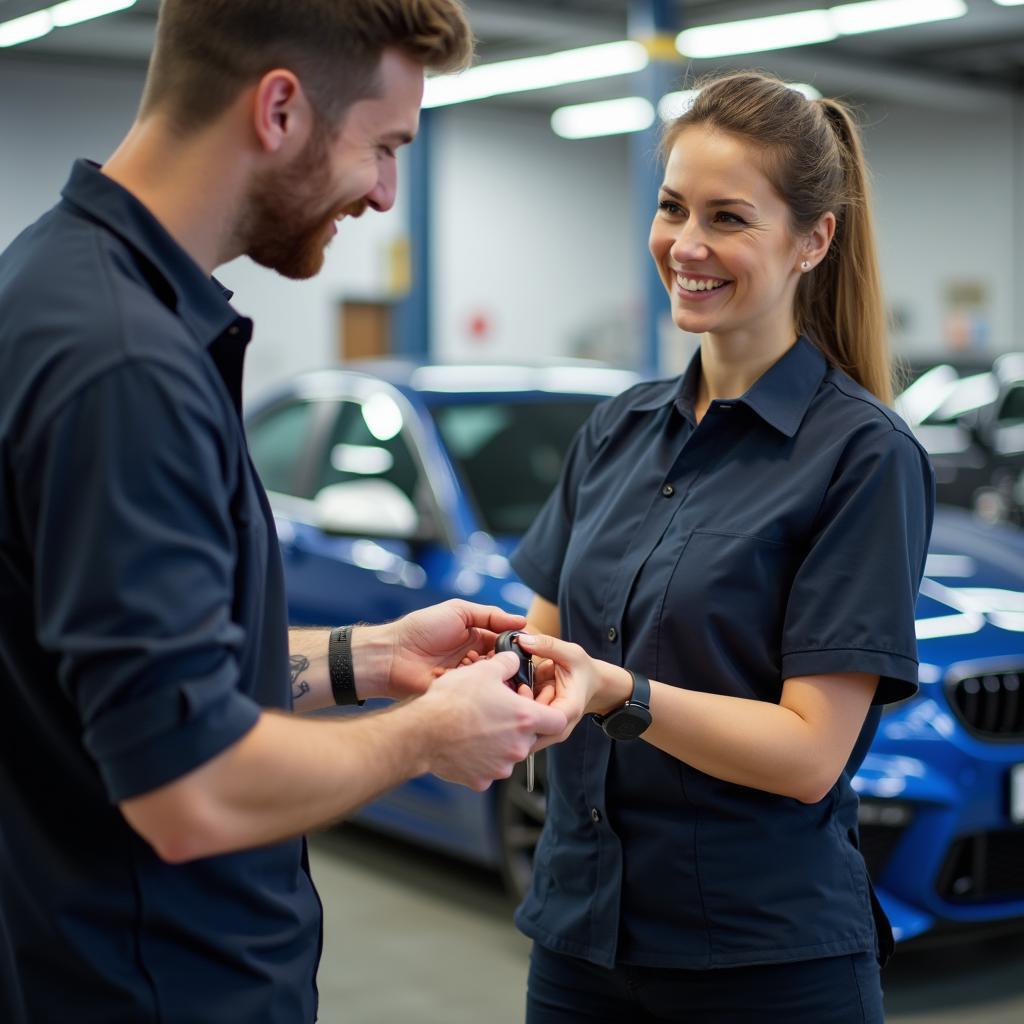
(567, 678)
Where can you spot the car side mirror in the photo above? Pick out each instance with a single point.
(367, 508)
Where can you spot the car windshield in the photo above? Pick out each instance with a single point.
(509, 453)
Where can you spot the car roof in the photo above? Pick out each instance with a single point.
(436, 380)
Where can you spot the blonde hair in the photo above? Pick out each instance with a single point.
(811, 153)
(207, 51)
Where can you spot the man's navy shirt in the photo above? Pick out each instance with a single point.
(143, 628)
(785, 535)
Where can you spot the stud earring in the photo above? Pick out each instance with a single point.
(805, 266)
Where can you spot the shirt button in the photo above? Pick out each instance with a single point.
(233, 330)
(668, 490)
(613, 634)
(595, 815)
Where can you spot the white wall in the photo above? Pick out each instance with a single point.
(945, 202)
(533, 233)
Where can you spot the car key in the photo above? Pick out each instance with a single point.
(524, 674)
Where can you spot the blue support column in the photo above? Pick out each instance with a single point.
(655, 23)
(411, 316)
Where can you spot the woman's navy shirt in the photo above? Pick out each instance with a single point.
(785, 535)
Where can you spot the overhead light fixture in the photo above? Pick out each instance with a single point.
(754, 35)
(675, 104)
(876, 15)
(29, 26)
(822, 25)
(527, 73)
(1009, 3)
(633, 113)
(607, 117)
(71, 12)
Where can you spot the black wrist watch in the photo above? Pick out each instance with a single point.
(633, 718)
(339, 661)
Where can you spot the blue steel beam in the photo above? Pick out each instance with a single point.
(655, 23)
(410, 329)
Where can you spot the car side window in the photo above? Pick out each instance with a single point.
(367, 443)
(278, 441)
(1012, 411)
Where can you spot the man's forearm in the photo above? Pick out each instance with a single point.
(284, 777)
(310, 669)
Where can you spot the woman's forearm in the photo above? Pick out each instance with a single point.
(747, 742)
(796, 748)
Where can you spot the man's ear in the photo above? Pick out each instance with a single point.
(281, 111)
(816, 242)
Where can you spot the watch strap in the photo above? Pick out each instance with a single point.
(339, 662)
(641, 695)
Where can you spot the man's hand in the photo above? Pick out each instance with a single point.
(480, 728)
(406, 655)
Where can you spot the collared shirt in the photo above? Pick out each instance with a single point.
(785, 535)
(143, 628)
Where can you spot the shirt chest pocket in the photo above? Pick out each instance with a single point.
(725, 601)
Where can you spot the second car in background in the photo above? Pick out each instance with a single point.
(970, 418)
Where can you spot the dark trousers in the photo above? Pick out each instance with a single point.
(833, 990)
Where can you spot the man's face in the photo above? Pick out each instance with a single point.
(291, 213)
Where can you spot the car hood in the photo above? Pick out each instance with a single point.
(972, 595)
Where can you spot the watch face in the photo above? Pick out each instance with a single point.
(628, 722)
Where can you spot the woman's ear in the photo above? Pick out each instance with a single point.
(816, 242)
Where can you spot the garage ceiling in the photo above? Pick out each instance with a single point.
(959, 64)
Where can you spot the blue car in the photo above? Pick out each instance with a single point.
(398, 486)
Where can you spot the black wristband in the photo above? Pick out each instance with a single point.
(339, 661)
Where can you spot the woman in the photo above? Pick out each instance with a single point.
(750, 539)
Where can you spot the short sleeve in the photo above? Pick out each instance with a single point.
(851, 606)
(539, 556)
(126, 504)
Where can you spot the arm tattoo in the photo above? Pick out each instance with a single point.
(300, 687)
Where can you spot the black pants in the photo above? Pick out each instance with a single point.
(833, 990)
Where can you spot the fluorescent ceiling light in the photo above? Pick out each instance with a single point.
(1009, 3)
(818, 26)
(675, 104)
(544, 72)
(21, 30)
(806, 90)
(71, 12)
(875, 15)
(757, 34)
(608, 117)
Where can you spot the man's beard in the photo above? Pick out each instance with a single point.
(277, 229)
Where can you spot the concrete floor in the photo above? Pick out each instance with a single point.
(416, 938)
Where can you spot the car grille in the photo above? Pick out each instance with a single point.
(882, 824)
(984, 866)
(990, 704)
(877, 845)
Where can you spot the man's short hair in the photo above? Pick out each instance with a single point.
(207, 51)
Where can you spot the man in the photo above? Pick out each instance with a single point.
(151, 788)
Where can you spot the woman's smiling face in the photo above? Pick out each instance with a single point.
(722, 240)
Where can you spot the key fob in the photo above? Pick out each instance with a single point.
(507, 642)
